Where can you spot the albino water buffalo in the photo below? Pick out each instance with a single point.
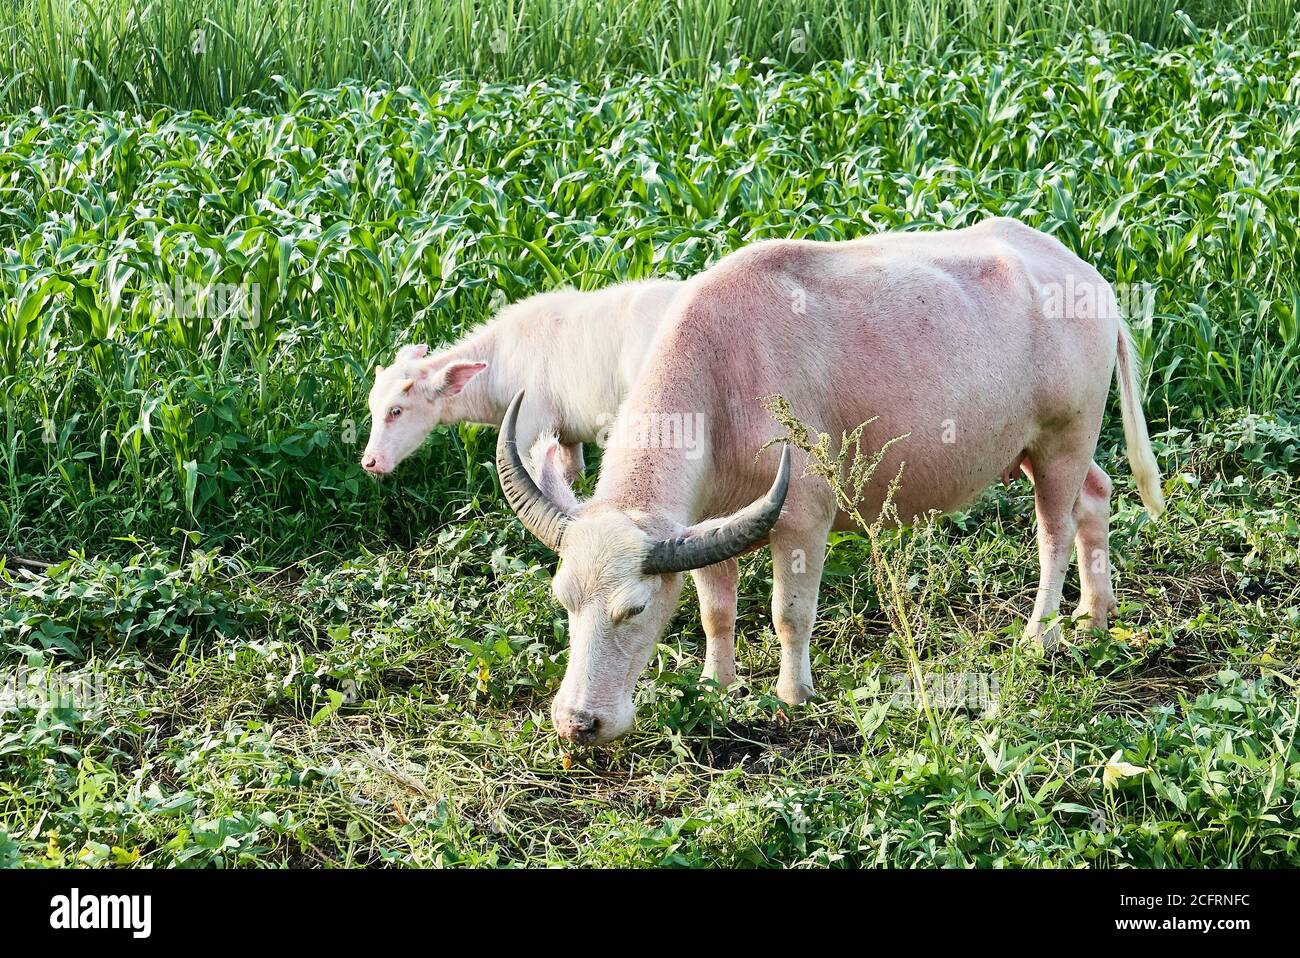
(990, 348)
(576, 353)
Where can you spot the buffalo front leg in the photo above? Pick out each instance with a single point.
(1092, 542)
(797, 559)
(716, 587)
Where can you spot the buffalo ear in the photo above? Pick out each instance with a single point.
(550, 477)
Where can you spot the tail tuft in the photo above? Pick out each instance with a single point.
(1141, 459)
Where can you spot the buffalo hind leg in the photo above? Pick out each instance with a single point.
(716, 587)
(1092, 543)
(1058, 479)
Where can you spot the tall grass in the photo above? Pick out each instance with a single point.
(210, 53)
(360, 218)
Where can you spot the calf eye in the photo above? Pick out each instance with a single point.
(394, 412)
(633, 612)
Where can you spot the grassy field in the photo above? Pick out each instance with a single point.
(293, 664)
(207, 54)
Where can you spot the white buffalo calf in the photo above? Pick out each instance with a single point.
(576, 353)
(989, 348)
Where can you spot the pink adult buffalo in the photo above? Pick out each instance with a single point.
(990, 348)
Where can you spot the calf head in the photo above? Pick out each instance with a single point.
(408, 400)
(617, 581)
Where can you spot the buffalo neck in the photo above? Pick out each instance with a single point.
(658, 453)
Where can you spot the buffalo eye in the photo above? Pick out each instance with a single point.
(394, 412)
(633, 612)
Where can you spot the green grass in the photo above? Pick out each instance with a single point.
(207, 54)
(391, 708)
(302, 665)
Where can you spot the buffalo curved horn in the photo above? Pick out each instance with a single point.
(742, 530)
(538, 514)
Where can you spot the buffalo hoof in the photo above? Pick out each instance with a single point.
(795, 693)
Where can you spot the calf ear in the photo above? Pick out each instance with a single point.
(412, 351)
(453, 377)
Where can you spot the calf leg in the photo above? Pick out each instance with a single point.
(798, 554)
(534, 420)
(571, 461)
(1058, 479)
(716, 587)
(1092, 541)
